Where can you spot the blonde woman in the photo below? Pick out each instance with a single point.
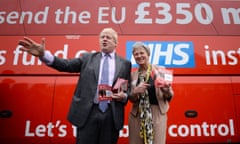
(148, 117)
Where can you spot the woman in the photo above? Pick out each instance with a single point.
(148, 117)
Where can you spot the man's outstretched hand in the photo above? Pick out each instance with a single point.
(32, 47)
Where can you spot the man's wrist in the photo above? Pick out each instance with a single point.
(47, 58)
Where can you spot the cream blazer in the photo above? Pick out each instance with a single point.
(163, 97)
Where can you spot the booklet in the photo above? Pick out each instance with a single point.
(104, 92)
(162, 76)
(120, 85)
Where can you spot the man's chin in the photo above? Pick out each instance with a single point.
(106, 50)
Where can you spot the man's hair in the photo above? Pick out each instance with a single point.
(114, 33)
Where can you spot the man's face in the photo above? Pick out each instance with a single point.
(107, 41)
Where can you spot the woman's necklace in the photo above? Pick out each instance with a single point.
(146, 122)
(147, 74)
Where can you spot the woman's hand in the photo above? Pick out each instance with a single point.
(141, 88)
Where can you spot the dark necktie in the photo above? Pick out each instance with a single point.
(103, 105)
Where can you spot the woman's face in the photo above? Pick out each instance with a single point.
(141, 56)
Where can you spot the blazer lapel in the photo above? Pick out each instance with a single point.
(134, 78)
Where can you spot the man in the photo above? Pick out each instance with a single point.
(94, 125)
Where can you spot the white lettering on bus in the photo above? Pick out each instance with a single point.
(103, 15)
(26, 59)
(2, 57)
(229, 14)
(45, 130)
(165, 15)
(172, 49)
(217, 57)
(204, 129)
(63, 17)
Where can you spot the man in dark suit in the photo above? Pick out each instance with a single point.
(94, 125)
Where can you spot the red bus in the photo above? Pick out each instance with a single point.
(198, 40)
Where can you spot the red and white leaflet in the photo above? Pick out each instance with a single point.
(121, 85)
(162, 76)
(104, 92)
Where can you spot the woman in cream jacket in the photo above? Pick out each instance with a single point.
(150, 103)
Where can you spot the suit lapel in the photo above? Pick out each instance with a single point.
(96, 64)
(118, 65)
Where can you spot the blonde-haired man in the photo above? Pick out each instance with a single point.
(95, 125)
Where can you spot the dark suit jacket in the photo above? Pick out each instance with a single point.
(88, 66)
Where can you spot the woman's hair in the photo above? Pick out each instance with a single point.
(139, 44)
